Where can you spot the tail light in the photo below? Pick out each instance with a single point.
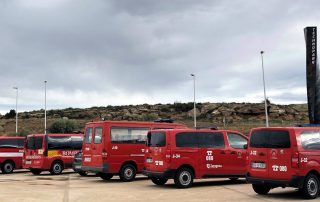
(104, 154)
(295, 160)
(168, 155)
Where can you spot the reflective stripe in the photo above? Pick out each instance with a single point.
(11, 154)
(136, 154)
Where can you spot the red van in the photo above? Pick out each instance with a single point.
(11, 152)
(52, 152)
(284, 157)
(186, 154)
(117, 147)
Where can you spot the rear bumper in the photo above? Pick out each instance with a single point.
(167, 174)
(295, 181)
(77, 166)
(103, 169)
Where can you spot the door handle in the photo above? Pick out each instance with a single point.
(233, 152)
(262, 154)
(222, 152)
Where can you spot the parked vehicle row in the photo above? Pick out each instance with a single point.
(271, 157)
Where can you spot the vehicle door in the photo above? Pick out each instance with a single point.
(86, 146)
(236, 153)
(211, 153)
(97, 147)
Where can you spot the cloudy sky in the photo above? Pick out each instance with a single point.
(116, 52)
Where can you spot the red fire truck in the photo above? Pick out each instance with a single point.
(117, 147)
(52, 152)
(11, 152)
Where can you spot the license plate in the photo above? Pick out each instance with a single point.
(149, 160)
(28, 162)
(77, 167)
(87, 159)
(258, 165)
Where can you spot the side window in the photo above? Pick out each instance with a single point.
(59, 143)
(126, 135)
(236, 141)
(310, 139)
(210, 140)
(186, 139)
(97, 135)
(76, 142)
(88, 135)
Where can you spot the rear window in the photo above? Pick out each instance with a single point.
(11, 143)
(200, 140)
(35, 142)
(156, 139)
(88, 135)
(270, 139)
(97, 135)
(310, 140)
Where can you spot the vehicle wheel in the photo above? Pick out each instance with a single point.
(56, 168)
(261, 189)
(7, 167)
(128, 173)
(105, 176)
(184, 178)
(234, 179)
(82, 173)
(35, 171)
(310, 187)
(159, 181)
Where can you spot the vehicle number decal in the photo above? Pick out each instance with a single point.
(115, 147)
(253, 153)
(277, 168)
(159, 163)
(209, 156)
(304, 160)
(176, 156)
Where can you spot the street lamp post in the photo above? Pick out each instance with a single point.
(194, 100)
(16, 88)
(45, 107)
(264, 90)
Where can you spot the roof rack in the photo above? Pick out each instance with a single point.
(164, 120)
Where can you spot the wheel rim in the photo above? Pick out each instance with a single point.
(185, 178)
(8, 167)
(128, 173)
(57, 168)
(312, 187)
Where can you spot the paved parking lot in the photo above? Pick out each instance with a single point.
(24, 187)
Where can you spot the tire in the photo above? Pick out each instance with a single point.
(159, 181)
(105, 176)
(261, 189)
(82, 173)
(184, 178)
(35, 171)
(56, 168)
(310, 187)
(7, 167)
(128, 173)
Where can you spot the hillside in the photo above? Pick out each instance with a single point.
(241, 116)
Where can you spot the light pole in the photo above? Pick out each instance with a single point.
(45, 107)
(16, 88)
(194, 100)
(264, 90)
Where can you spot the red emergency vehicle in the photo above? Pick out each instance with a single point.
(117, 147)
(52, 152)
(11, 152)
(185, 154)
(284, 157)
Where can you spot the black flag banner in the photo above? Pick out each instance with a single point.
(313, 77)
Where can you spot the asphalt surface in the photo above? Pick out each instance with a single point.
(22, 186)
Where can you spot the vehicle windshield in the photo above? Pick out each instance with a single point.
(156, 139)
(270, 139)
(34, 142)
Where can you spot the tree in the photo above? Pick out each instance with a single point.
(11, 114)
(62, 126)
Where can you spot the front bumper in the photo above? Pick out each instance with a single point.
(167, 174)
(295, 181)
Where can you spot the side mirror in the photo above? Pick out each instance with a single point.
(245, 146)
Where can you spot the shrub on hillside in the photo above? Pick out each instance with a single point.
(62, 126)
(11, 114)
